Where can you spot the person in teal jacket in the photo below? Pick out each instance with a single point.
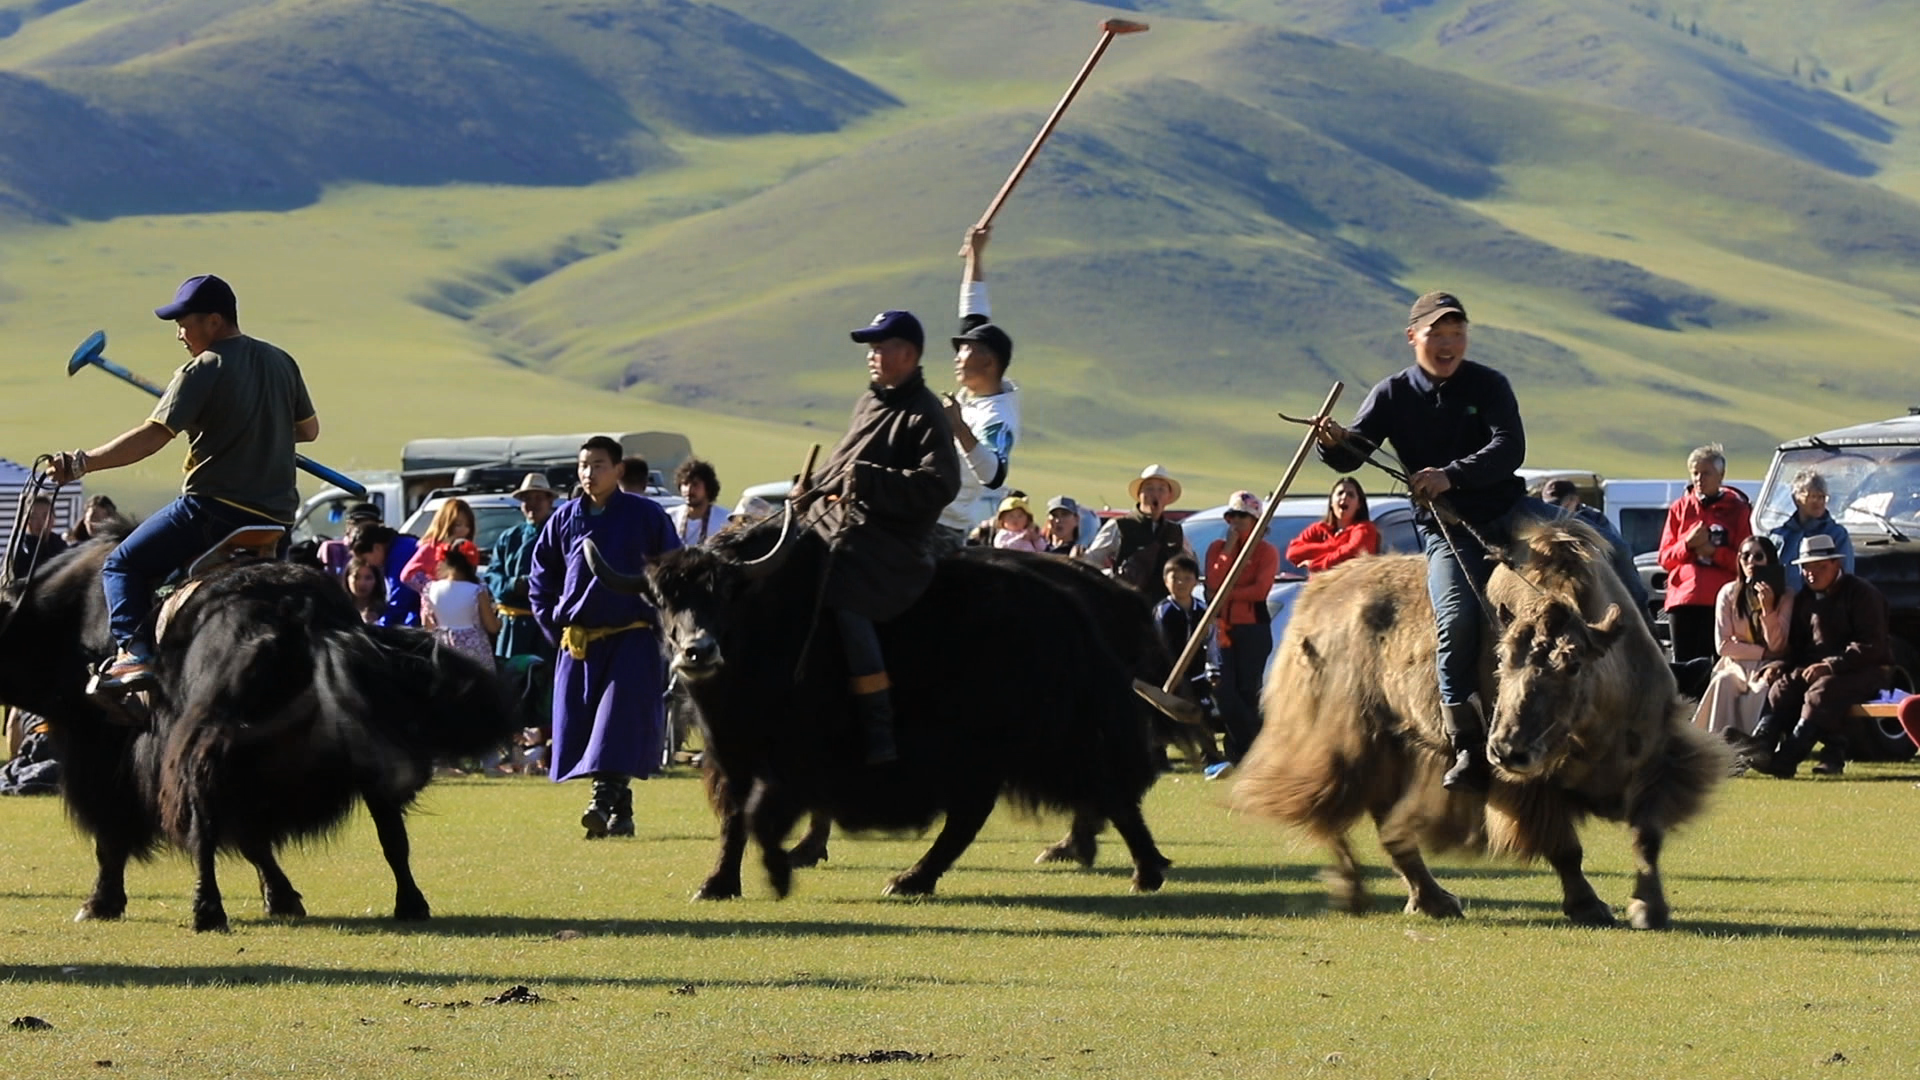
(509, 567)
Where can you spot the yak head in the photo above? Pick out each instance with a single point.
(1546, 672)
(693, 591)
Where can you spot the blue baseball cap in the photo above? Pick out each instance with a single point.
(892, 324)
(202, 295)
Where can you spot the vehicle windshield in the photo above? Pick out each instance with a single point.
(1202, 532)
(1867, 486)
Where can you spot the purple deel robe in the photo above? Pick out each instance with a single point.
(607, 710)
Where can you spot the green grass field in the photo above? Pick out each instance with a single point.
(1794, 954)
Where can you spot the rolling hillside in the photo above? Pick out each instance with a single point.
(478, 215)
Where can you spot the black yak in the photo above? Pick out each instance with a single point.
(1002, 684)
(277, 709)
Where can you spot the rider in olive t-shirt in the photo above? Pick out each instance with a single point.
(242, 405)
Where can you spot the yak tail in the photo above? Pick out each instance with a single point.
(191, 757)
(1677, 783)
(407, 689)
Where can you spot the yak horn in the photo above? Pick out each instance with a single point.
(757, 569)
(603, 571)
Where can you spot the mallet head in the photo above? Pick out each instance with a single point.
(88, 352)
(1123, 26)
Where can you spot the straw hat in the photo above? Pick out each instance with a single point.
(534, 482)
(1154, 472)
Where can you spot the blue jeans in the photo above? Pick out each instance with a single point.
(1453, 587)
(180, 532)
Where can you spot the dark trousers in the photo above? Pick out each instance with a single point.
(1243, 664)
(182, 531)
(861, 642)
(1824, 704)
(1691, 628)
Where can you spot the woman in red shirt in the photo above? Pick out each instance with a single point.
(1242, 633)
(1346, 532)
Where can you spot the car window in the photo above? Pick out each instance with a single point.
(1398, 536)
(1640, 527)
(1867, 486)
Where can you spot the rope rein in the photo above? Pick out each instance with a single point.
(39, 481)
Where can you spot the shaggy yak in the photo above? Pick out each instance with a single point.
(1047, 715)
(277, 709)
(1125, 619)
(1585, 720)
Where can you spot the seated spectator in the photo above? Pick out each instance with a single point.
(37, 543)
(1346, 532)
(336, 554)
(367, 586)
(1838, 655)
(636, 477)
(391, 551)
(1703, 532)
(1563, 494)
(1750, 621)
(100, 516)
(457, 608)
(1242, 630)
(751, 509)
(1135, 548)
(701, 517)
(1062, 530)
(1810, 518)
(452, 524)
(1013, 527)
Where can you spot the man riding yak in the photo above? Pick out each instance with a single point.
(885, 485)
(243, 406)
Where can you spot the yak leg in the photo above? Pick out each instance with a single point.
(390, 823)
(812, 848)
(109, 899)
(1082, 842)
(771, 814)
(1399, 829)
(1149, 866)
(964, 818)
(724, 882)
(1579, 901)
(1647, 910)
(1344, 885)
(277, 894)
(203, 842)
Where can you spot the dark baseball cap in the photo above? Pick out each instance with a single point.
(1559, 489)
(892, 324)
(992, 337)
(1433, 307)
(202, 295)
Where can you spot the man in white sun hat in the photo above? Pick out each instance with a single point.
(1135, 548)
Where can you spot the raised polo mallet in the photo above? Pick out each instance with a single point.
(91, 353)
(1109, 30)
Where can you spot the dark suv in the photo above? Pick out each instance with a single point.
(1873, 489)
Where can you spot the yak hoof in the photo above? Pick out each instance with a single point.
(414, 910)
(1348, 894)
(782, 881)
(96, 911)
(1148, 877)
(1066, 851)
(284, 909)
(909, 884)
(1592, 912)
(717, 888)
(210, 922)
(1439, 904)
(1644, 916)
(806, 854)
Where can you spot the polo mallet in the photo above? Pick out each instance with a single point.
(90, 354)
(1215, 600)
(1109, 30)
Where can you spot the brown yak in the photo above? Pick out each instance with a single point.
(1586, 720)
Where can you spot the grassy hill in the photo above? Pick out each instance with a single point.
(685, 206)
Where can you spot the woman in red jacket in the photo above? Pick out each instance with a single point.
(1346, 532)
(1699, 546)
(1242, 633)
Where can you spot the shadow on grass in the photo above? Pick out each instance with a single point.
(519, 926)
(215, 976)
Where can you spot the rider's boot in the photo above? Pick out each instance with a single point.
(597, 818)
(873, 704)
(1467, 735)
(127, 671)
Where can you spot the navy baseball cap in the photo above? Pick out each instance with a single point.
(202, 295)
(992, 337)
(892, 324)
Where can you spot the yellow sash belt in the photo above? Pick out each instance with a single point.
(575, 639)
(514, 612)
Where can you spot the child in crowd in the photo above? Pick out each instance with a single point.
(457, 608)
(367, 585)
(1014, 529)
(1177, 616)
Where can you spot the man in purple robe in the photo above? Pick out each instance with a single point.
(609, 675)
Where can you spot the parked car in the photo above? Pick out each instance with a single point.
(1873, 489)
